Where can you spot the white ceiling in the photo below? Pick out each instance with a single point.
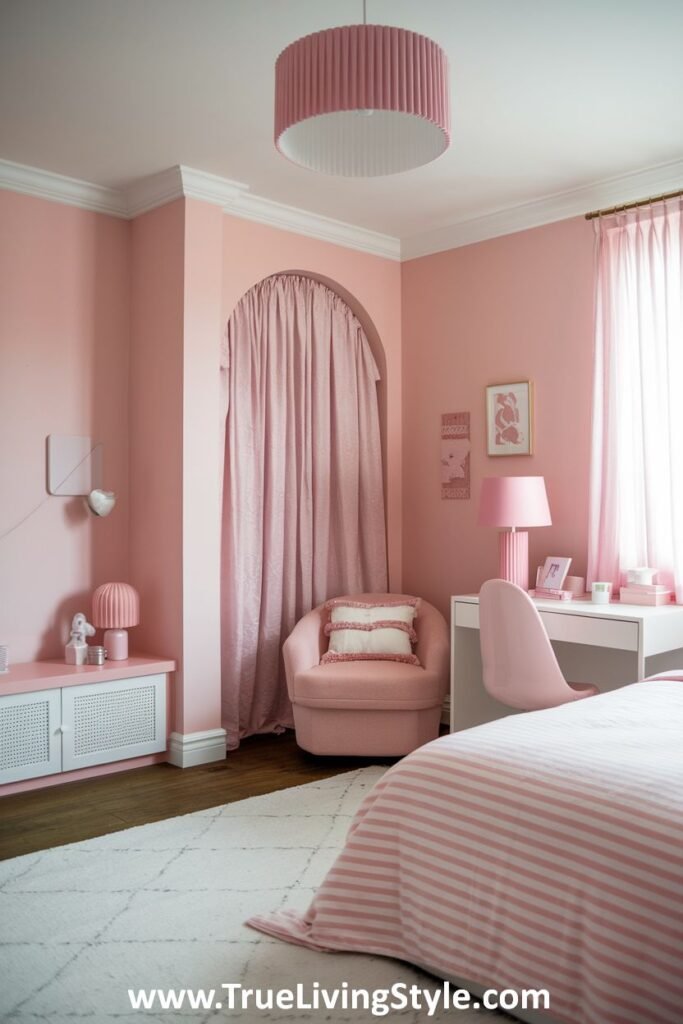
(547, 96)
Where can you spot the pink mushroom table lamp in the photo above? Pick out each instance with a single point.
(511, 502)
(115, 608)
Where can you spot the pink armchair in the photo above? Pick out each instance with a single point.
(366, 708)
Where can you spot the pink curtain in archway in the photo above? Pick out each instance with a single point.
(303, 499)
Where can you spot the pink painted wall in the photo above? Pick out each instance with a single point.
(156, 430)
(200, 695)
(507, 309)
(176, 276)
(372, 287)
(113, 329)
(64, 346)
(190, 265)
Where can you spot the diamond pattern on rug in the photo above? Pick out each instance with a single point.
(163, 906)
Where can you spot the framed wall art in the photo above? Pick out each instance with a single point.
(455, 455)
(509, 418)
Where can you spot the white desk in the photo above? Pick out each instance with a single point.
(608, 644)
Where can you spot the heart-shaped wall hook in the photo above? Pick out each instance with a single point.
(101, 502)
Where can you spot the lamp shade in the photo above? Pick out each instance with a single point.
(362, 100)
(518, 501)
(115, 606)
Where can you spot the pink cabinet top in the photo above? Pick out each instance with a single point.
(28, 676)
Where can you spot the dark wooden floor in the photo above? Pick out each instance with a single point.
(80, 810)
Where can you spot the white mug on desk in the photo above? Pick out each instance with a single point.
(601, 593)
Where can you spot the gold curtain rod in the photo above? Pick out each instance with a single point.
(632, 206)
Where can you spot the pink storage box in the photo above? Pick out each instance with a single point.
(628, 596)
(553, 594)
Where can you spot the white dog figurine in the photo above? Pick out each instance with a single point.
(76, 651)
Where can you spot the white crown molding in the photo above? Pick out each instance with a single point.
(610, 192)
(177, 182)
(210, 188)
(155, 190)
(236, 199)
(313, 225)
(31, 181)
(185, 750)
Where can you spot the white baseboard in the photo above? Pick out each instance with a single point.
(185, 750)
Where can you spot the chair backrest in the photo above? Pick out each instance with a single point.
(519, 665)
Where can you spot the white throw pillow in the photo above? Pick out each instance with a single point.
(365, 631)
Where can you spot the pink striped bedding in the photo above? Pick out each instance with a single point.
(543, 851)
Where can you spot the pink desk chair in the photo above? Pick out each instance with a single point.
(366, 708)
(519, 665)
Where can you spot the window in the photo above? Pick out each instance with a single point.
(636, 513)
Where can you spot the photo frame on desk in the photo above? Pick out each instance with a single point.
(554, 572)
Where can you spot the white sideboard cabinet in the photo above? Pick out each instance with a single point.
(59, 718)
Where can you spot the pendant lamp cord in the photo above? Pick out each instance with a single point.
(365, 17)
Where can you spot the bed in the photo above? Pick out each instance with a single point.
(544, 850)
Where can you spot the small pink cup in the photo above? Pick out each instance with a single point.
(576, 585)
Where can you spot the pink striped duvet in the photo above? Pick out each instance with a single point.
(541, 851)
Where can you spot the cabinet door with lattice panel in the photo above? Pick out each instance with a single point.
(112, 721)
(30, 739)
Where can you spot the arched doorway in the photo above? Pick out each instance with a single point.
(303, 501)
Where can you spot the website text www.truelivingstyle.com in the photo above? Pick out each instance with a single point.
(379, 1002)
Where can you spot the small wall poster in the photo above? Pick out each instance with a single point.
(455, 455)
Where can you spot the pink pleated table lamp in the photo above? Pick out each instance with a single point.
(512, 502)
(115, 608)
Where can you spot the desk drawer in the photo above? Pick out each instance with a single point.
(572, 627)
(591, 630)
(466, 615)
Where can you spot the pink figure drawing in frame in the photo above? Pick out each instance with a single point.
(506, 419)
(454, 452)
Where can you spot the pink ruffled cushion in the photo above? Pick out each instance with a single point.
(380, 630)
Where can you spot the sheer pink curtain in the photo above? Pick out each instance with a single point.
(636, 514)
(303, 500)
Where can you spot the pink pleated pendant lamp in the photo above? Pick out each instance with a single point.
(362, 100)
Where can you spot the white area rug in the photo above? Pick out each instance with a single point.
(163, 906)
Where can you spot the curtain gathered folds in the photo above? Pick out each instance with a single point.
(303, 499)
(636, 512)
